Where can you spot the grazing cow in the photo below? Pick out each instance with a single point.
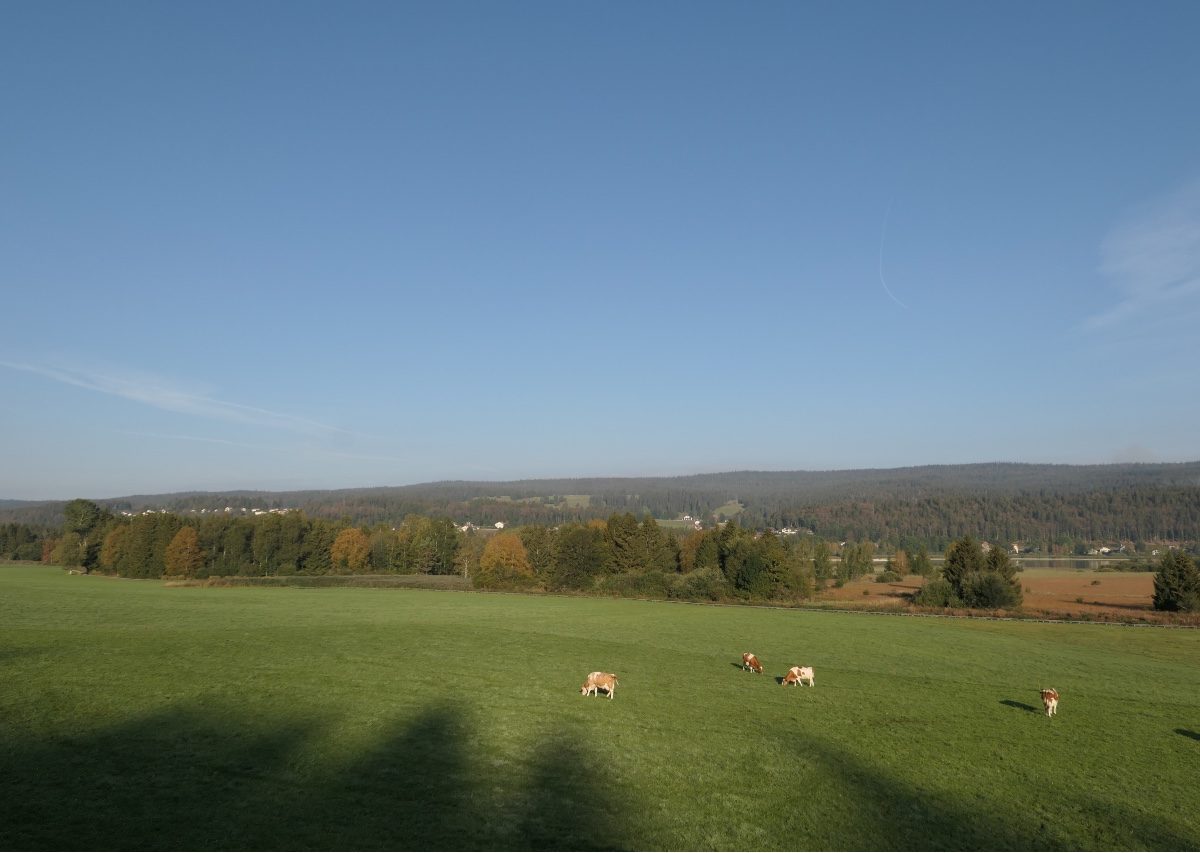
(798, 675)
(596, 681)
(1050, 701)
(589, 684)
(750, 662)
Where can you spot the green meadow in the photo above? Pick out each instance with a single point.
(138, 716)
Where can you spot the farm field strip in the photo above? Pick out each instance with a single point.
(1051, 591)
(367, 719)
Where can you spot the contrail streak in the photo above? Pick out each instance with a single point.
(882, 280)
(160, 394)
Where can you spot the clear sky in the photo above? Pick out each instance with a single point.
(322, 245)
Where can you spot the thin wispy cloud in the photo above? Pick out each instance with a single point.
(291, 450)
(161, 394)
(196, 438)
(1153, 262)
(362, 457)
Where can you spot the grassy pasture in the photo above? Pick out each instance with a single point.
(135, 716)
(729, 509)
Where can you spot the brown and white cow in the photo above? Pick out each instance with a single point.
(596, 681)
(1050, 701)
(798, 675)
(750, 662)
(589, 683)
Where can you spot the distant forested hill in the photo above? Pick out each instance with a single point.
(932, 504)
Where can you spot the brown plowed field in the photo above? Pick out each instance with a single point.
(1050, 591)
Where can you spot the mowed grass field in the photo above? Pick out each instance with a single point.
(137, 716)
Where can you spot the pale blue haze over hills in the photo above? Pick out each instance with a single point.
(311, 245)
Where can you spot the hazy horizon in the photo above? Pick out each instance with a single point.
(506, 481)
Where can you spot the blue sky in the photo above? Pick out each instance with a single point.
(316, 245)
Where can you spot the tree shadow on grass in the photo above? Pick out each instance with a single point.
(181, 778)
(1119, 826)
(412, 790)
(201, 778)
(901, 814)
(1188, 733)
(897, 814)
(571, 803)
(428, 786)
(1013, 703)
(13, 653)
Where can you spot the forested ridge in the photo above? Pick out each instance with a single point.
(1044, 505)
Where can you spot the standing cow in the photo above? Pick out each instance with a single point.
(798, 675)
(750, 662)
(1050, 701)
(596, 681)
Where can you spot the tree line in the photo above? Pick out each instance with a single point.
(20, 542)
(154, 545)
(621, 556)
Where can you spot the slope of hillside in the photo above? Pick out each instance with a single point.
(1045, 503)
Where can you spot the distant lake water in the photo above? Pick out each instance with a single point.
(1069, 563)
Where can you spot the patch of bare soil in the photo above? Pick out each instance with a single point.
(1048, 592)
(1113, 593)
(874, 593)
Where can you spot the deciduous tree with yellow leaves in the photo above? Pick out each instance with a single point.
(183, 558)
(350, 551)
(504, 558)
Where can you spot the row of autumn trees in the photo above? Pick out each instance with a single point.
(163, 544)
(620, 555)
(625, 556)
